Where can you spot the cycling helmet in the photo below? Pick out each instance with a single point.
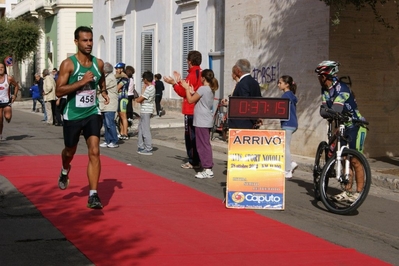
(327, 68)
(120, 65)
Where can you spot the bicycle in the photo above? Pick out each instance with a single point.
(220, 123)
(338, 168)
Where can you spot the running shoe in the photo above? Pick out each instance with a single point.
(207, 173)
(103, 145)
(112, 145)
(144, 152)
(63, 180)
(294, 166)
(94, 202)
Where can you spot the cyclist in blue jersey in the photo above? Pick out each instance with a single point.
(338, 96)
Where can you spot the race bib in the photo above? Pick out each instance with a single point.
(85, 98)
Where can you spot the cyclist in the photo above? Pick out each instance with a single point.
(122, 86)
(336, 95)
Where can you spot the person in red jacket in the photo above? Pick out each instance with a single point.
(194, 59)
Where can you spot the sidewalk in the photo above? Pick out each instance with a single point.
(385, 171)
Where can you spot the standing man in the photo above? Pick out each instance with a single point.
(246, 86)
(39, 81)
(6, 99)
(49, 96)
(79, 77)
(194, 59)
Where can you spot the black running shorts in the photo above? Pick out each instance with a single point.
(89, 126)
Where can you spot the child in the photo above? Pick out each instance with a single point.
(203, 118)
(147, 107)
(288, 86)
(34, 90)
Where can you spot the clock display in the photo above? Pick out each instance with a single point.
(259, 107)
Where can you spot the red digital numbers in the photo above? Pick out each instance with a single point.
(259, 107)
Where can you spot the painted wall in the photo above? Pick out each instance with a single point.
(369, 53)
(282, 38)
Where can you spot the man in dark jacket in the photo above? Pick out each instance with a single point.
(247, 86)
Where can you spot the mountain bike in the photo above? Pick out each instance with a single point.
(339, 169)
(220, 122)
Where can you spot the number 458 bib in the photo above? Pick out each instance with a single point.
(85, 98)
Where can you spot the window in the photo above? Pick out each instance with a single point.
(119, 49)
(147, 51)
(188, 44)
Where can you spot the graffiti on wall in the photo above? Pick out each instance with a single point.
(266, 74)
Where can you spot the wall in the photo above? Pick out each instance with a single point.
(369, 53)
(282, 37)
(131, 18)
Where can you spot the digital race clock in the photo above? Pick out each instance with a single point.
(259, 107)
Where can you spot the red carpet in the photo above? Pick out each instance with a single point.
(150, 220)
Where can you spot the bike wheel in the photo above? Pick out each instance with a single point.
(355, 188)
(319, 162)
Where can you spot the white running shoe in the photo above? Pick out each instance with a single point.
(112, 145)
(288, 174)
(294, 166)
(103, 145)
(207, 173)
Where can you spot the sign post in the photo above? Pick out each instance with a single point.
(256, 158)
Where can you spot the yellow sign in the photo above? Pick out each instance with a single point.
(255, 169)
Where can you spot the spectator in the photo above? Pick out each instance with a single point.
(159, 88)
(203, 118)
(287, 85)
(144, 143)
(35, 93)
(49, 96)
(39, 81)
(194, 59)
(247, 86)
(122, 87)
(108, 110)
(130, 93)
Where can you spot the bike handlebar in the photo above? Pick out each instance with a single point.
(345, 117)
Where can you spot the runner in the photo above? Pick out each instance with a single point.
(79, 77)
(6, 99)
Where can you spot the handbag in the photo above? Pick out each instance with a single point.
(135, 94)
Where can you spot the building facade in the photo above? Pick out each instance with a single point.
(157, 35)
(58, 20)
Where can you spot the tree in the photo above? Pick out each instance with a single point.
(340, 5)
(19, 39)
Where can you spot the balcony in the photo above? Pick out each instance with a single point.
(33, 8)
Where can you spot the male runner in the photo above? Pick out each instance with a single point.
(79, 77)
(6, 99)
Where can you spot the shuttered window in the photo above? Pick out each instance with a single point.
(119, 48)
(188, 44)
(147, 51)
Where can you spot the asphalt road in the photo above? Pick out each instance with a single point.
(371, 230)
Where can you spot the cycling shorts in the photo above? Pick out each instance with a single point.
(356, 135)
(89, 126)
(122, 105)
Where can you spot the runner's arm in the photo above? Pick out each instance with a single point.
(12, 81)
